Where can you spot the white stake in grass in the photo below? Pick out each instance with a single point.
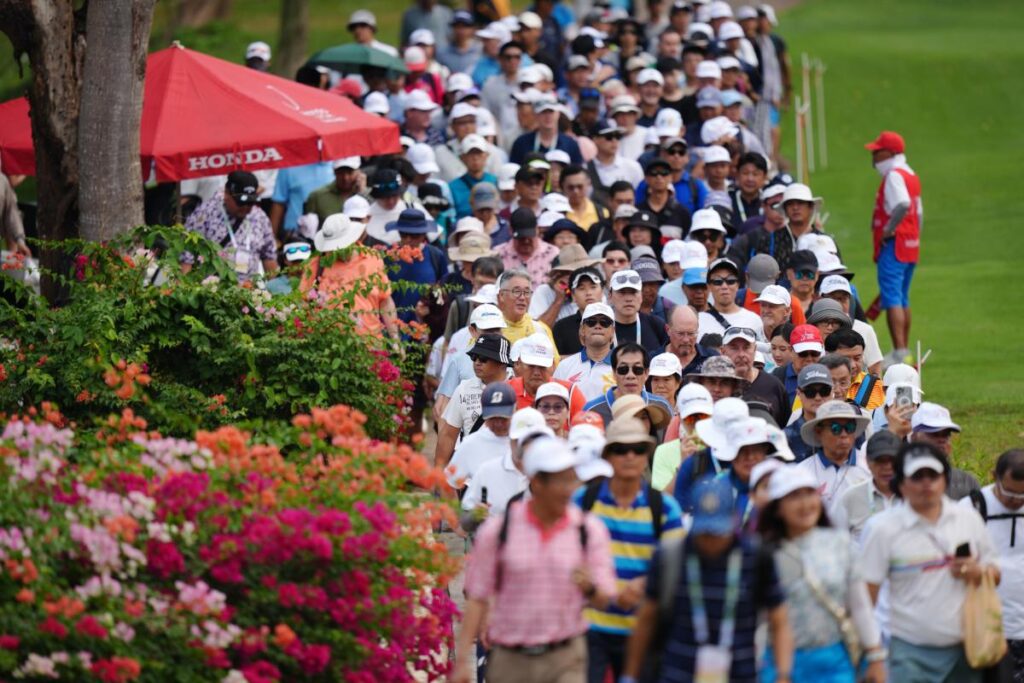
(819, 87)
(808, 128)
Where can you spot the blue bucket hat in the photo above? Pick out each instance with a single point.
(411, 221)
(713, 508)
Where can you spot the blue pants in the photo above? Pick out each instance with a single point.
(604, 650)
(910, 663)
(893, 277)
(829, 664)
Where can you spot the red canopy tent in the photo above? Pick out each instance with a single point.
(204, 116)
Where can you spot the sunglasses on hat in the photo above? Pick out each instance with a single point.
(627, 279)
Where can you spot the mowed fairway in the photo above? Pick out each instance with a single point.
(947, 75)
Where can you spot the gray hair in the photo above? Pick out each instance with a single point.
(510, 275)
(834, 360)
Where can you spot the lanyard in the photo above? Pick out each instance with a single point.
(732, 594)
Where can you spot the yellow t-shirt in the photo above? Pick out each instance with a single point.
(586, 218)
(514, 331)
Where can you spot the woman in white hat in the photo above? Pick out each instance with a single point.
(827, 600)
(749, 442)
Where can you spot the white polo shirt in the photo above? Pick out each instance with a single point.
(479, 447)
(856, 505)
(925, 600)
(593, 378)
(834, 481)
(464, 407)
(1009, 544)
(502, 480)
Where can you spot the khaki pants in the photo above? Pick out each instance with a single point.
(567, 664)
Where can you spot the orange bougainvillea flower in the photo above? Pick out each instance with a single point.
(69, 608)
(123, 526)
(284, 636)
(25, 595)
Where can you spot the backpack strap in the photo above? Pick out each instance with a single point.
(656, 503)
(719, 317)
(979, 503)
(591, 493)
(694, 193)
(670, 568)
(503, 538)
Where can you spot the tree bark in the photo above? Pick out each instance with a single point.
(50, 32)
(110, 189)
(291, 46)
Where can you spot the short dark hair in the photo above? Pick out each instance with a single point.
(570, 170)
(784, 330)
(1011, 461)
(490, 266)
(511, 44)
(834, 360)
(917, 449)
(844, 337)
(711, 340)
(757, 160)
(614, 245)
(618, 186)
(630, 347)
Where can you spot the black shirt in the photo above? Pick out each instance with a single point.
(652, 332)
(768, 389)
(673, 213)
(567, 334)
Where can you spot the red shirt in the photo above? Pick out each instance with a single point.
(524, 400)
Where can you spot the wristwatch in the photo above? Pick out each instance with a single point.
(879, 654)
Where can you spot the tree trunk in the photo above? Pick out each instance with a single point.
(50, 32)
(110, 195)
(291, 46)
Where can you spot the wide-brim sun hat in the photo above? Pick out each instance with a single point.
(632, 405)
(828, 411)
(712, 430)
(336, 233)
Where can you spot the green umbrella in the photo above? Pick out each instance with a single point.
(351, 56)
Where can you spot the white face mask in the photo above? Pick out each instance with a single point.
(884, 167)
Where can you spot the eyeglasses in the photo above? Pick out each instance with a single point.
(597, 322)
(809, 354)
(685, 334)
(705, 235)
(817, 391)
(552, 407)
(624, 370)
(519, 293)
(805, 274)
(719, 281)
(676, 152)
(620, 449)
(659, 173)
(626, 279)
(838, 428)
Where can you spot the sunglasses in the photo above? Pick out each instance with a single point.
(1008, 494)
(627, 279)
(636, 370)
(809, 354)
(620, 449)
(817, 391)
(659, 174)
(553, 407)
(297, 249)
(705, 235)
(676, 152)
(838, 428)
(612, 136)
(597, 322)
(805, 274)
(719, 281)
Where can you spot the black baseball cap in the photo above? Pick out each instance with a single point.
(523, 223)
(656, 162)
(643, 219)
(243, 186)
(803, 259)
(527, 172)
(882, 443)
(491, 347)
(385, 183)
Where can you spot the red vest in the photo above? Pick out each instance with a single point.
(908, 232)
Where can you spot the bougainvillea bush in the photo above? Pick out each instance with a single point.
(129, 556)
(197, 350)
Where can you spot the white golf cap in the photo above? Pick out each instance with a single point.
(462, 110)
(931, 417)
(715, 154)
(749, 431)
(719, 9)
(715, 129)
(706, 219)
(459, 81)
(598, 308)
(668, 123)
(816, 241)
(474, 142)
(672, 251)
(537, 350)
(775, 294)
(763, 469)
(901, 373)
(422, 36)
(495, 31)
(346, 162)
(558, 156)
(728, 62)
(487, 294)
(789, 479)
(548, 218)
(548, 454)
(527, 421)
(623, 103)
(693, 399)
(666, 365)
(376, 103)
(912, 465)
(356, 207)
(528, 75)
(531, 20)
(421, 157)
(828, 262)
(734, 332)
(773, 190)
(835, 283)
(730, 30)
(258, 50)
(552, 389)
(362, 16)
(556, 202)
(746, 12)
(625, 211)
(507, 176)
(709, 69)
(487, 317)
(485, 123)
(695, 254)
(650, 75)
(626, 279)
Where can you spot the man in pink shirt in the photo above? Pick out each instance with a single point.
(534, 569)
(526, 250)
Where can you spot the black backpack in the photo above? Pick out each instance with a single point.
(654, 501)
(503, 537)
(981, 505)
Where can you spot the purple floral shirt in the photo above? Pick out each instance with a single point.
(254, 235)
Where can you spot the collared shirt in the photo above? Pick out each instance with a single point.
(633, 545)
(538, 265)
(537, 602)
(542, 299)
(593, 377)
(253, 234)
(833, 480)
(926, 600)
(603, 404)
(796, 442)
(858, 503)
(585, 218)
(477, 448)
(295, 184)
(502, 481)
(326, 201)
(524, 327)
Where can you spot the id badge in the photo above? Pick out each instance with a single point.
(713, 662)
(241, 260)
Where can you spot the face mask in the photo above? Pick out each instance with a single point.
(884, 167)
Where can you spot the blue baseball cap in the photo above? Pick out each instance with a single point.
(713, 508)
(730, 97)
(498, 399)
(464, 17)
(695, 276)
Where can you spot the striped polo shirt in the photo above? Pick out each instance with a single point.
(633, 544)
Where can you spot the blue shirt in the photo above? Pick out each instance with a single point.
(527, 142)
(461, 188)
(428, 271)
(460, 61)
(609, 398)
(294, 185)
(796, 442)
(686, 478)
(684, 194)
(486, 66)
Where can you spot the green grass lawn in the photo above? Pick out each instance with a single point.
(946, 75)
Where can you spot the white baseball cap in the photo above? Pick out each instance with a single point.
(729, 30)
(763, 469)
(931, 417)
(717, 128)
(548, 454)
(474, 142)
(816, 241)
(775, 294)
(258, 50)
(376, 103)
(648, 75)
(828, 262)
(422, 36)
(485, 123)
(719, 9)
(487, 317)
(507, 176)
(416, 59)
(598, 308)
(556, 202)
(773, 190)
(672, 251)
(462, 110)
(346, 162)
(356, 207)
(728, 62)
(527, 421)
(668, 123)
(468, 224)
(496, 31)
(551, 389)
(789, 479)
(623, 103)
(901, 373)
(548, 218)
(421, 157)
(558, 156)
(531, 20)
(537, 350)
(706, 219)
(626, 279)
(715, 154)
(694, 399)
(709, 69)
(734, 332)
(922, 462)
(665, 365)
(835, 283)
(487, 294)
(459, 81)
(695, 254)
